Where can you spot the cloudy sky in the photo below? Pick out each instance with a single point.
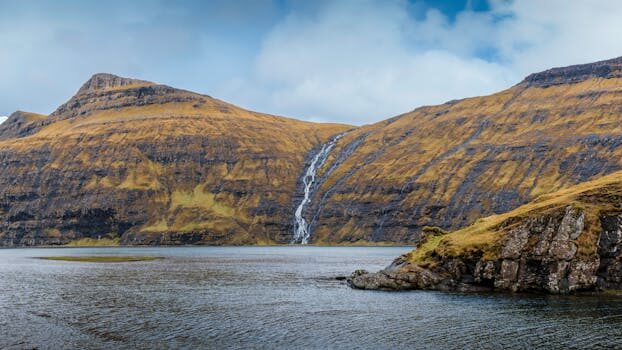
(355, 61)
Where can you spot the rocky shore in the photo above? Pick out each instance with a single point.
(546, 247)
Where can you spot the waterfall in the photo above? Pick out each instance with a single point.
(301, 227)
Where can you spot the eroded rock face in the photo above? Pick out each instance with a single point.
(609, 250)
(539, 255)
(566, 75)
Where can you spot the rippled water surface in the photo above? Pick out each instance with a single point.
(275, 297)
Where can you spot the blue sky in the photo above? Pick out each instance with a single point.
(353, 61)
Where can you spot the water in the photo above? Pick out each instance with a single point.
(275, 297)
(301, 227)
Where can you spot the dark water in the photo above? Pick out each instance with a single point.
(278, 297)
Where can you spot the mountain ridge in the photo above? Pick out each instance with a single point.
(151, 164)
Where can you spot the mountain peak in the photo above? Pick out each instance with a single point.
(106, 81)
(20, 124)
(611, 68)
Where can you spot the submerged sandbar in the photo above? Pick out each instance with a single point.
(102, 259)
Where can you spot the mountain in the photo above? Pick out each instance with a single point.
(450, 164)
(127, 161)
(563, 242)
(133, 162)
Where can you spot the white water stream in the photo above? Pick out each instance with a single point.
(301, 227)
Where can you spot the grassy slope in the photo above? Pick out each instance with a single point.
(597, 197)
(246, 158)
(473, 157)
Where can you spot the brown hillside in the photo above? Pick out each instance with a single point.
(148, 163)
(450, 164)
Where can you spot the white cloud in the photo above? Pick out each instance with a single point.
(363, 61)
(355, 61)
(2, 119)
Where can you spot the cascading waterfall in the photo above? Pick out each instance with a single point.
(301, 227)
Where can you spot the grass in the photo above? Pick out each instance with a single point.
(593, 197)
(101, 259)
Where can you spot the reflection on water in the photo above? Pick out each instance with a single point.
(228, 297)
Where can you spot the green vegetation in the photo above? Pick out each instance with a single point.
(102, 259)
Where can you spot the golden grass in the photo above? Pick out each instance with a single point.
(32, 117)
(158, 226)
(517, 120)
(485, 233)
(200, 199)
(435, 130)
(101, 259)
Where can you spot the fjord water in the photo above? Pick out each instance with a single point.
(270, 297)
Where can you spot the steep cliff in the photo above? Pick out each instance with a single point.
(450, 164)
(563, 242)
(143, 163)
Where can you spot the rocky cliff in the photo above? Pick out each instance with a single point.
(564, 242)
(451, 164)
(141, 163)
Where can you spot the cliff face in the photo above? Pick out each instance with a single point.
(448, 165)
(565, 242)
(149, 164)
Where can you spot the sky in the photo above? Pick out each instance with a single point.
(349, 61)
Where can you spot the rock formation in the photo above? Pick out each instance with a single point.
(565, 242)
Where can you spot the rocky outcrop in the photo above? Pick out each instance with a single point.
(609, 274)
(574, 74)
(541, 254)
(20, 124)
(105, 81)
